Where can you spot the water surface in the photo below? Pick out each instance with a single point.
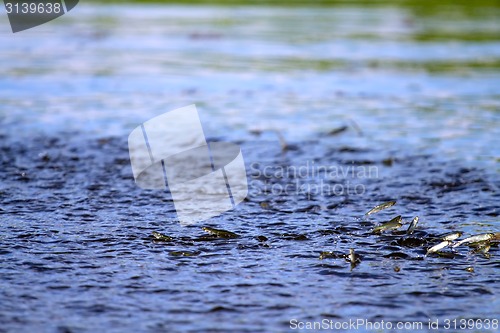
(417, 90)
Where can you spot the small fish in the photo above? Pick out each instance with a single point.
(481, 247)
(395, 223)
(353, 257)
(338, 130)
(261, 238)
(184, 253)
(264, 205)
(284, 145)
(475, 239)
(380, 207)
(451, 236)
(327, 254)
(294, 236)
(162, 237)
(412, 226)
(220, 233)
(438, 247)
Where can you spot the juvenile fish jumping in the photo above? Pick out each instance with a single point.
(451, 236)
(412, 226)
(353, 257)
(220, 233)
(475, 239)
(162, 237)
(380, 207)
(328, 254)
(395, 223)
(438, 247)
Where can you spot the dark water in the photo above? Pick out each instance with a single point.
(418, 96)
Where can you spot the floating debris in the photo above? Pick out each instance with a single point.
(380, 207)
(395, 223)
(397, 269)
(475, 239)
(162, 237)
(412, 226)
(470, 269)
(451, 236)
(220, 233)
(438, 247)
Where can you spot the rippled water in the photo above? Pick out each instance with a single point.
(417, 91)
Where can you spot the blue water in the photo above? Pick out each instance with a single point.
(416, 90)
